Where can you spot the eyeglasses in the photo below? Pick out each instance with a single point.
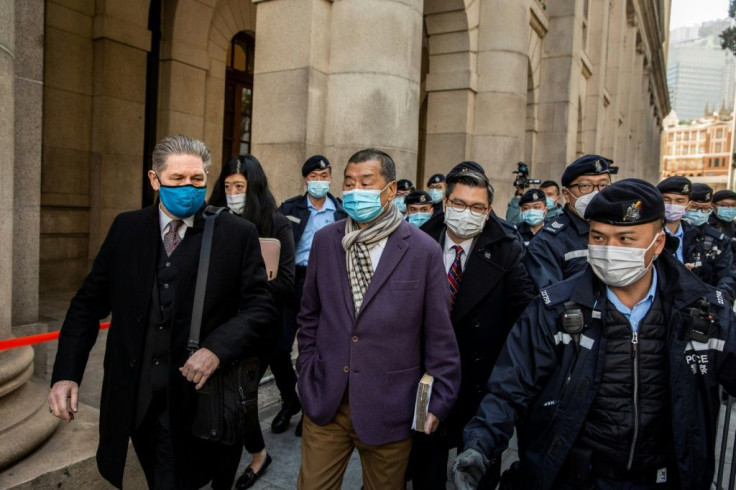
(476, 209)
(587, 188)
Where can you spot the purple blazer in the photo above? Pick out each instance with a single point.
(377, 356)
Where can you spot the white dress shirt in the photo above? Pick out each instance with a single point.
(449, 252)
(164, 220)
(376, 251)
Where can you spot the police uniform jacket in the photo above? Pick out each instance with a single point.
(238, 318)
(727, 228)
(559, 250)
(295, 209)
(494, 290)
(710, 251)
(541, 379)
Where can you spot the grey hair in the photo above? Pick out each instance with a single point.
(178, 144)
(470, 178)
(388, 167)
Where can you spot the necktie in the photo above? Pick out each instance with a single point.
(455, 275)
(172, 238)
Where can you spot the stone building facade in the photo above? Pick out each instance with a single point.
(88, 86)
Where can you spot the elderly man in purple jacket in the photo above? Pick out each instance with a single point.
(375, 316)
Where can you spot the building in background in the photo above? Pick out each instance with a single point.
(700, 74)
(699, 150)
(88, 86)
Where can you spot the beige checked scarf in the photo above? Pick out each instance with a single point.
(357, 242)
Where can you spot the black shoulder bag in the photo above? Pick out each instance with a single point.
(232, 389)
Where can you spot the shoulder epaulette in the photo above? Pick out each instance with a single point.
(556, 225)
(557, 294)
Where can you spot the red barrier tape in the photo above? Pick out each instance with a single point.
(36, 339)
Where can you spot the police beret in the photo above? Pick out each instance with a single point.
(627, 202)
(316, 162)
(724, 194)
(533, 195)
(418, 197)
(436, 179)
(586, 165)
(464, 167)
(405, 185)
(676, 185)
(701, 192)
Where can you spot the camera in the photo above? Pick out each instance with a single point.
(522, 176)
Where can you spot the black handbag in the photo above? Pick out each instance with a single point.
(232, 389)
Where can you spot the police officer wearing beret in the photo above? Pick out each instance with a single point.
(703, 249)
(436, 186)
(559, 250)
(404, 187)
(533, 205)
(489, 290)
(724, 214)
(308, 213)
(612, 375)
(419, 208)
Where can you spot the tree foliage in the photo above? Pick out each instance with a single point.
(728, 36)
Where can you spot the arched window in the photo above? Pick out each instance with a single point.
(237, 126)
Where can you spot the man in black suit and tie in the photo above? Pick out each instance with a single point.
(145, 275)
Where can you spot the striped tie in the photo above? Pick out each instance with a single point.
(456, 273)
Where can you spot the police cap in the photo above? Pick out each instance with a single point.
(723, 195)
(465, 167)
(436, 179)
(676, 185)
(625, 203)
(418, 197)
(405, 185)
(533, 195)
(316, 162)
(586, 165)
(701, 192)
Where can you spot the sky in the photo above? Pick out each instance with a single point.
(689, 12)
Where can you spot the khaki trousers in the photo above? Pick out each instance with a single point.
(327, 449)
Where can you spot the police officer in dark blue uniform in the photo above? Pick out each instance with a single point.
(404, 187)
(308, 213)
(559, 250)
(533, 206)
(436, 186)
(724, 214)
(703, 249)
(612, 375)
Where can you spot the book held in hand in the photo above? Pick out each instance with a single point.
(421, 407)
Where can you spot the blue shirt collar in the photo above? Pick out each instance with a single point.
(328, 206)
(640, 309)
(680, 231)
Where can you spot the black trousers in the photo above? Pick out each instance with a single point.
(281, 366)
(152, 443)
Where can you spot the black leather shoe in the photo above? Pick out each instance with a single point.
(298, 430)
(249, 477)
(282, 419)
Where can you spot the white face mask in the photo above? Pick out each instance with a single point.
(236, 202)
(464, 224)
(674, 212)
(581, 203)
(619, 266)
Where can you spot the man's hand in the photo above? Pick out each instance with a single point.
(430, 425)
(469, 468)
(690, 266)
(63, 400)
(200, 367)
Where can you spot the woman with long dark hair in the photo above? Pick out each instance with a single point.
(243, 187)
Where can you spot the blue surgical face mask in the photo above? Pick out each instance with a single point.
(551, 204)
(318, 188)
(418, 219)
(363, 205)
(533, 217)
(695, 217)
(726, 214)
(400, 203)
(182, 201)
(436, 195)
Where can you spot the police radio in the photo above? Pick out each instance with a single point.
(702, 321)
(573, 321)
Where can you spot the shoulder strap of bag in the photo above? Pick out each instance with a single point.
(210, 215)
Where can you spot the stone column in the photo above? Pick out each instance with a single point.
(290, 89)
(597, 51)
(24, 420)
(500, 104)
(373, 88)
